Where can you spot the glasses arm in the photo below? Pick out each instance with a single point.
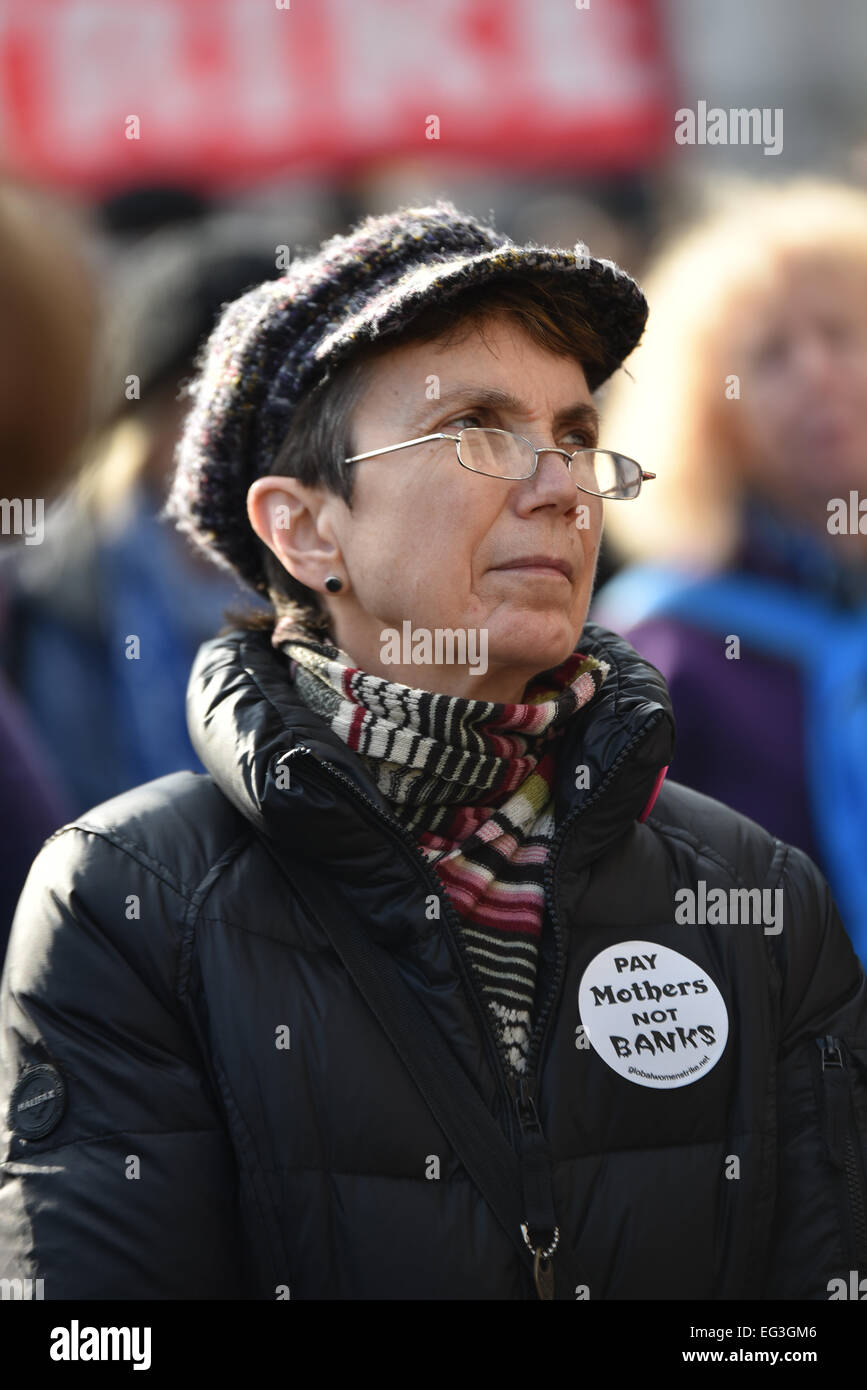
(423, 439)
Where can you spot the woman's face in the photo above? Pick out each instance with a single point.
(430, 542)
(800, 351)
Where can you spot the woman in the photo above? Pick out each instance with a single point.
(397, 1001)
(748, 588)
(48, 328)
(110, 709)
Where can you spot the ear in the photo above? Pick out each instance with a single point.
(293, 519)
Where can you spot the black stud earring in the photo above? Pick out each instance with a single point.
(333, 583)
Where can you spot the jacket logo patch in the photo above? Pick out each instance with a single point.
(38, 1101)
(652, 1014)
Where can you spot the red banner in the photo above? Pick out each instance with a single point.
(96, 93)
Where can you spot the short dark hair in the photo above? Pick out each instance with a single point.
(320, 439)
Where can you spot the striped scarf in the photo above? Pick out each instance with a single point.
(472, 781)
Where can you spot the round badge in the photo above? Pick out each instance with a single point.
(652, 1014)
(38, 1101)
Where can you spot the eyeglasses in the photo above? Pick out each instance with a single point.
(501, 454)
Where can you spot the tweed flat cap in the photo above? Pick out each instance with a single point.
(276, 342)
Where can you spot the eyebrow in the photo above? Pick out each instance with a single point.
(581, 412)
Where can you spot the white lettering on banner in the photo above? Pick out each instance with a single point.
(603, 65)
(228, 88)
(652, 1015)
(134, 50)
(143, 49)
(265, 99)
(402, 46)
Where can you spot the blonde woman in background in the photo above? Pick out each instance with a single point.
(748, 578)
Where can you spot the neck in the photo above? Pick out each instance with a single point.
(443, 661)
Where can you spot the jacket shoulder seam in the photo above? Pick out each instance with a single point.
(677, 832)
(197, 900)
(781, 856)
(193, 896)
(132, 850)
(707, 851)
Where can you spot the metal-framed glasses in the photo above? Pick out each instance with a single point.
(501, 454)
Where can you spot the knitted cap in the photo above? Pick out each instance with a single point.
(278, 341)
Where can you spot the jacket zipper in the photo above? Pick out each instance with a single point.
(530, 1140)
(496, 1054)
(839, 1139)
(524, 1090)
(542, 1023)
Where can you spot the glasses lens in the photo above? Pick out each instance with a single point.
(495, 452)
(608, 475)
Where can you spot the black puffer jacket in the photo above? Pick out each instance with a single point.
(234, 1123)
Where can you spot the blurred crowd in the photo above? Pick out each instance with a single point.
(736, 574)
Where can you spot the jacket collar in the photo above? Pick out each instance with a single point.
(281, 765)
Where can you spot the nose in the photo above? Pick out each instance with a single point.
(566, 457)
(551, 485)
(563, 478)
(815, 360)
(563, 453)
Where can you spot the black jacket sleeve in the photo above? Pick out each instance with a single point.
(819, 1234)
(117, 1179)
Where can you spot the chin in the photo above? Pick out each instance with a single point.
(534, 642)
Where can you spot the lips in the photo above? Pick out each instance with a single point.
(551, 562)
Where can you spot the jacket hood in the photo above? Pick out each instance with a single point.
(281, 765)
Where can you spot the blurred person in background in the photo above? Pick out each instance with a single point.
(103, 620)
(48, 329)
(747, 582)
